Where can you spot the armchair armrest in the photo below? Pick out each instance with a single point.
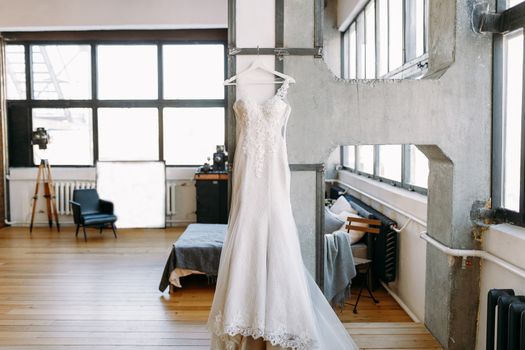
(106, 207)
(77, 211)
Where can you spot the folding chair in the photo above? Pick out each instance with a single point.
(362, 266)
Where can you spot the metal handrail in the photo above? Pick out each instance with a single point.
(465, 253)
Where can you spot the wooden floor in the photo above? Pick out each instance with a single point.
(58, 292)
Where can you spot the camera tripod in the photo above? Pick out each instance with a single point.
(44, 176)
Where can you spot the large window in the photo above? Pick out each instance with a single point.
(508, 124)
(390, 161)
(128, 134)
(399, 165)
(72, 130)
(127, 72)
(365, 159)
(103, 97)
(16, 72)
(188, 73)
(387, 39)
(183, 146)
(61, 72)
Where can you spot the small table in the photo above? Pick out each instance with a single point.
(212, 197)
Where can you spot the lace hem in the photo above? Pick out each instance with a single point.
(279, 337)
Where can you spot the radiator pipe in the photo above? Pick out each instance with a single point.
(465, 253)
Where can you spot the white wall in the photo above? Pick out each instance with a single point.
(22, 186)
(409, 285)
(28, 15)
(508, 243)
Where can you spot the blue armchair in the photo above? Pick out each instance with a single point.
(90, 210)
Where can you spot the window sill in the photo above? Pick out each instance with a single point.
(507, 242)
(414, 69)
(408, 201)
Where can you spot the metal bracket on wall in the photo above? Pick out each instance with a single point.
(484, 21)
(280, 52)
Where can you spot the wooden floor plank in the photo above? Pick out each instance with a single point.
(61, 293)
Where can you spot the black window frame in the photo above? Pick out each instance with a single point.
(93, 39)
(509, 20)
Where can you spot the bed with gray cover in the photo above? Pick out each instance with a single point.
(198, 249)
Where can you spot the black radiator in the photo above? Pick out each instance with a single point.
(382, 248)
(510, 322)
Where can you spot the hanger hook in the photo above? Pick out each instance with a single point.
(257, 50)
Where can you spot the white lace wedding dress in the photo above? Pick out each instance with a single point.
(265, 298)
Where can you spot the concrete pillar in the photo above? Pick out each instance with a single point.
(447, 114)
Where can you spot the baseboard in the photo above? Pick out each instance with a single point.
(401, 303)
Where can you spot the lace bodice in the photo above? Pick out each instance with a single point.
(261, 125)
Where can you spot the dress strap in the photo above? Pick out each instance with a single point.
(283, 90)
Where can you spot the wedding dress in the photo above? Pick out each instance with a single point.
(265, 298)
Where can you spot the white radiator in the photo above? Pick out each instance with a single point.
(64, 193)
(171, 188)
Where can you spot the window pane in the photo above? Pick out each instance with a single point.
(420, 27)
(383, 37)
(346, 53)
(365, 159)
(61, 72)
(390, 162)
(395, 33)
(511, 3)
(370, 40)
(16, 72)
(353, 53)
(127, 72)
(192, 134)
(71, 136)
(349, 157)
(128, 134)
(193, 71)
(512, 86)
(361, 46)
(418, 173)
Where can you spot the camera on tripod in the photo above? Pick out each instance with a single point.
(40, 138)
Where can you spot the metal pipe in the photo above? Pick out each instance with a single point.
(375, 199)
(464, 253)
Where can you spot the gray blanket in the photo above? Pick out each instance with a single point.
(198, 248)
(339, 268)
